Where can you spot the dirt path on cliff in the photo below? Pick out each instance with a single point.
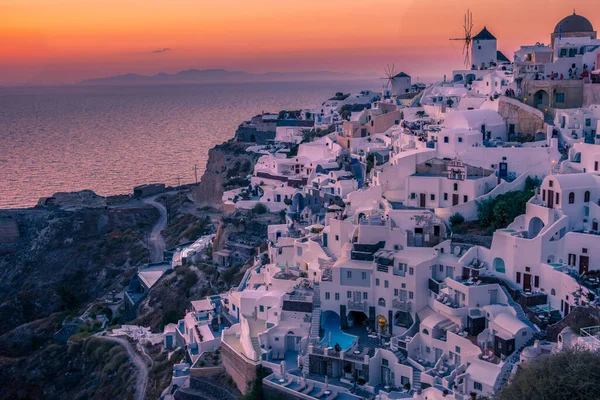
(141, 380)
(157, 242)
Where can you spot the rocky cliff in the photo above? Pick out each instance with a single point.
(229, 166)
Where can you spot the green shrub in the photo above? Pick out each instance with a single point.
(260, 208)
(456, 219)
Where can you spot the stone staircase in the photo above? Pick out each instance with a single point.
(520, 313)
(315, 322)
(416, 382)
(256, 346)
(327, 252)
(316, 296)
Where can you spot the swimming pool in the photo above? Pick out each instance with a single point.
(331, 326)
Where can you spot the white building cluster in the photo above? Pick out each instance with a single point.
(365, 291)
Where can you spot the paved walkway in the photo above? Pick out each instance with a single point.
(157, 242)
(141, 381)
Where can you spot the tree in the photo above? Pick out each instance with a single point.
(566, 375)
(456, 219)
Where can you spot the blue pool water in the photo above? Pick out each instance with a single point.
(331, 325)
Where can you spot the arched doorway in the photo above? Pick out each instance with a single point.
(458, 78)
(541, 98)
(357, 318)
(470, 78)
(381, 324)
(535, 226)
(499, 265)
(297, 203)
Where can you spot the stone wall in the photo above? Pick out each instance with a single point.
(212, 390)
(206, 371)
(576, 315)
(240, 369)
(591, 94)
(527, 120)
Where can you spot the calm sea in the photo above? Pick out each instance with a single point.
(110, 138)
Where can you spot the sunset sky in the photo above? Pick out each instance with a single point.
(64, 41)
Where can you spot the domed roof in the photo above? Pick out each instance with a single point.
(574, 23)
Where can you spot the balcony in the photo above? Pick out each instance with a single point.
(401, 305)
(357, 306)
(447, 307)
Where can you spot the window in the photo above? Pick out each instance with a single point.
(518, 277)
(595, 165)
(584, 250)
(337, 238)
(395, 292)
(427, 349)
(327, 296)
(557, 198)
(432, 197)
(457, 349)
(233, 307)
(364, 275)
(559, 97)
(261, 308)
(277, 339)
(411, 271)
(477, 386)
(459, 140)
(403, 285)
(365, 296)
(384, 362)
(377, 282)
(445, 196)
(337, 296)
(586, 196)
(411, 295)
(588, 122)
(571, 198)
(456, 186)
(441, 268)
(465, 199)
(527, 269)
(425, 331)
(386, 284)
(349, 274)
(298, 251)
(536, 281)
(446, 139)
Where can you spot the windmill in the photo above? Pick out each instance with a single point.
(390, 72)
(468, 27)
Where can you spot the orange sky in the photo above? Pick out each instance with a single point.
(63, 41)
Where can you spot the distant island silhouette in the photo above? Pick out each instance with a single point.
(222, 75)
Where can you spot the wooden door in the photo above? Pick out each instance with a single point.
(584, 263)
(527, 282)
(455, 199)
(422, 198)
(550, 198)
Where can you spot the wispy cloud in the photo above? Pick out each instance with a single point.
(161, 50)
